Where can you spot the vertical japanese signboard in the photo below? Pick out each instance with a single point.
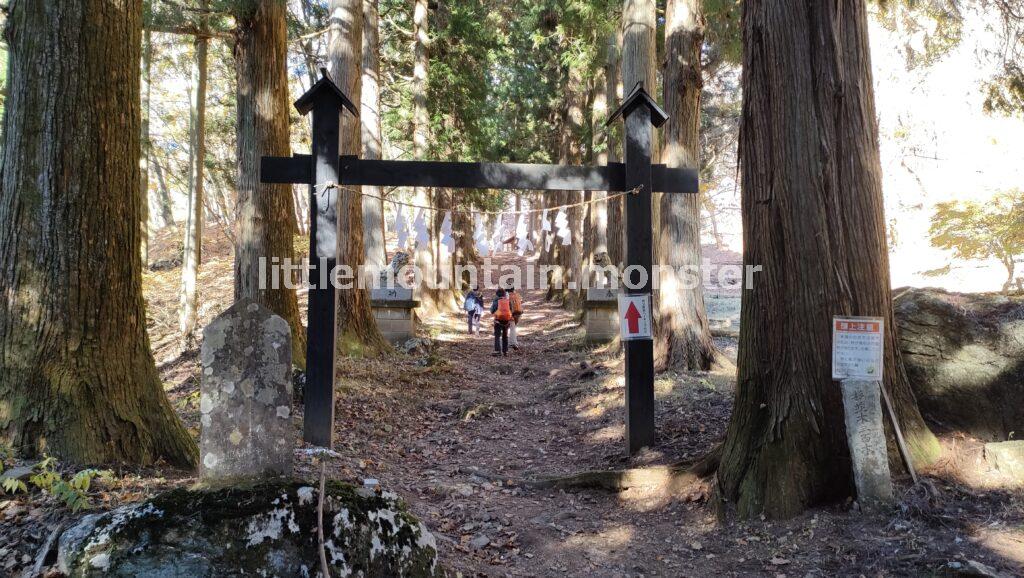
(858, 348)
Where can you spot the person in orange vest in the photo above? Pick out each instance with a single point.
(516, 302)
(501, 309)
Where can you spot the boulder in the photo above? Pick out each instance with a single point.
(1007, 457)
(964, 354)
(266, 529)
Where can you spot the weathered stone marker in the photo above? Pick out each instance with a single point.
(601, 314)
(246, 394)
(394, 311)
(863, 408)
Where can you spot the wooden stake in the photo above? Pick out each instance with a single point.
(899, 434)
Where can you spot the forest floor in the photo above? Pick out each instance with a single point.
(459, 434)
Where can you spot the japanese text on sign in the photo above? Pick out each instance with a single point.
(635, 317)
(857, 347)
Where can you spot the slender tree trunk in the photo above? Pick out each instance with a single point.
(266, 213)
(147, 67)
(424, 257)
(1008, 263)
(373, 208)
(448, 300)
(813, 219)
(712, 210)
(598, 211)
(613, 92)
(682, 336)
(166, 205)
(357, 331)
(193, 255)
(77, 378)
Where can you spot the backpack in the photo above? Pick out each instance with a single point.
(517, 303)
(470, 304)
(504, 312)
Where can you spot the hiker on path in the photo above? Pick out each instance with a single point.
(516, 303)
(474, 307)
(501, 309)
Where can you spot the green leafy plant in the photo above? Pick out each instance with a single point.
(72, 493)
(974, 230)
(9, 485)
(13, 486)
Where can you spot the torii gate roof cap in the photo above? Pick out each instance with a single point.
(637, 98)
(324, 88)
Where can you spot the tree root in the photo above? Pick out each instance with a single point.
(673, 479)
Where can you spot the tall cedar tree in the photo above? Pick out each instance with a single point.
(369, 114)
(192, 257)
(77, 378)
(812, 218)
(613, 95)
(682, 336)
(357, 331)
(266, 213)
(146, 92)
(424, 254)
(639, 26)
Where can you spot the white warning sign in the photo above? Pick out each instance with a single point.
(858, 347)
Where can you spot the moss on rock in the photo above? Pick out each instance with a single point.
(264, 529)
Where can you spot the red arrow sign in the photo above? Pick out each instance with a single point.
(633, 318)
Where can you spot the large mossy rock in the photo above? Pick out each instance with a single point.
(964, 354)
(268, 529)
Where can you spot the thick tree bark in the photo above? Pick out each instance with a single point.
(639, 25)
(813, 219)
(77, 378)
(146, 91)
(682, 336)
(357, 331)
(373, 208)
(266, 213)
(193, 255)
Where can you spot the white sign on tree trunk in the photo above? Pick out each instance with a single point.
(858, 347)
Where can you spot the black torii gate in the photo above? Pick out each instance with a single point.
(325, 167)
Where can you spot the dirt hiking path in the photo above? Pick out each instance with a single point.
(455, 430)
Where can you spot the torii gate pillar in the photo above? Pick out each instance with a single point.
(640, 112)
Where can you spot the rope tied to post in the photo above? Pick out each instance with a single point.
(323, 188)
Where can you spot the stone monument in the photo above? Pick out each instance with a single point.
(246, 395)
(393, 305)
(866, 437)
(601, 315)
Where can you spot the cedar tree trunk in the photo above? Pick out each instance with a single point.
(77, 378)
(812, 216)
(357, 331)
(682, 337)
(266, 213)
(369, 114)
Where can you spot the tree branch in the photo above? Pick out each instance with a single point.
(189, 31)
